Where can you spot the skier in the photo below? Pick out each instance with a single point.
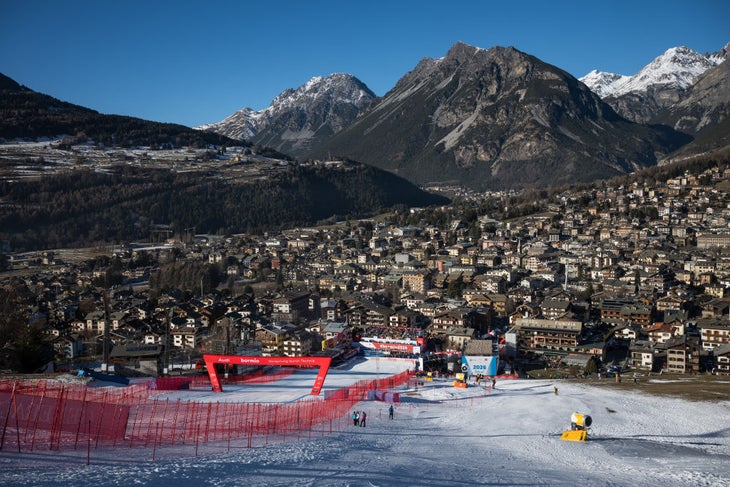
(355, 418)
(390, 412)
(363, 417)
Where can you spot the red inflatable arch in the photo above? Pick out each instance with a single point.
(322, 362)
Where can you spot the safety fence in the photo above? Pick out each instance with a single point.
(49, 415)
(261, 376)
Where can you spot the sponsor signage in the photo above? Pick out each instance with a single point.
(400, 347)
(479, 364)
(322, 362)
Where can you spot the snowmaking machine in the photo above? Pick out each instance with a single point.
(579, 425)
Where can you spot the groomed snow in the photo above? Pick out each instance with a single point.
(441, 436)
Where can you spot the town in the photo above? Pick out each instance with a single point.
(617, 279)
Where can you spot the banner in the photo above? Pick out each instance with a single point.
(479, 364)
(322, 362)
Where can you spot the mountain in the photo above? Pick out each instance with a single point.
(660, 84)
(602, 83)
(242, 125)
(497, 119)
(704, 112)
(299, 119)
(26, 114)
(61, 208)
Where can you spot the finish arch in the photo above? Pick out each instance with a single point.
(323, 363)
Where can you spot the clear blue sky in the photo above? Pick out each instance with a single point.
(195, 62)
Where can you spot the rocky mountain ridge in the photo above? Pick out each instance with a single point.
(298, 119)
(660, 85)
(497, 118)
(677, 67)
(473, 127)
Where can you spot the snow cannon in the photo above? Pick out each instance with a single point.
(579, 424)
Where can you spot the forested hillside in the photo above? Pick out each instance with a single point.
(26, 114)
(84, 207)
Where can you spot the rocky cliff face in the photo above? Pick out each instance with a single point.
(496, 118)
(705, 104)
(704, 112)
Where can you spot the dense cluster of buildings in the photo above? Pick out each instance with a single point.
(635, 276)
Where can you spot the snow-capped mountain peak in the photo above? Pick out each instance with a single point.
(676, 68)
(600, 82)
(337, 87)
(296, 117)
(240, 125)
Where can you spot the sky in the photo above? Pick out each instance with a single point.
(195, 62)
(440, 436)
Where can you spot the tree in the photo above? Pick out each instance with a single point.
(456, 287)
(23, 345)
(592, 365)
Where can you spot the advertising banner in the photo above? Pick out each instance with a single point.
(479, 364)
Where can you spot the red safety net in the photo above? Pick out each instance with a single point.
(203, 381)
(49, 415)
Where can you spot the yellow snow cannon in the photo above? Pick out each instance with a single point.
(579, 424)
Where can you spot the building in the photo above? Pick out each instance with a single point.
(552, 309)
(642, 354)
(683, 356)
(133, 359)
(291, 307)
(722, 360)
(369, 314)
(301, 344)
(547, 336)
(68, 346)
(452, 319)
(710, 240)
(272, 337)
(416, 281)
(714, 333)
(187, 338)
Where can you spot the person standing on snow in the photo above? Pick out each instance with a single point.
(355, 417)
(363, 417)
(390, 412)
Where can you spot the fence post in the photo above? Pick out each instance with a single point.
(88, 446)
(7, 416)
(250, 432)
(101, 417)
(81, 418)
(164, 420)
(197, 436)
(17, 422)
(207, 420)
(57, 420)
(37, 416)
(154, 444)
(182, 430)
(149, 423)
